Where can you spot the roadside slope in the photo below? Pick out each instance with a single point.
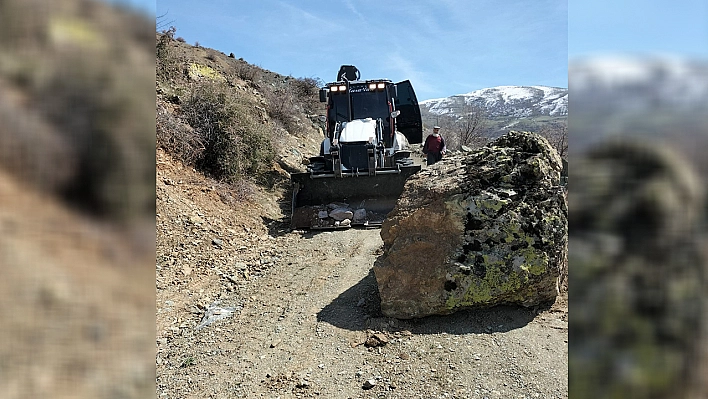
(76, 316)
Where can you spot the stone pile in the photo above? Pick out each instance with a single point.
(335, 215)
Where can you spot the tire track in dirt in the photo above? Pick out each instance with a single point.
(298, 347)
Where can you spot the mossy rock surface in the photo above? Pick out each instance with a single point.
(477, 230)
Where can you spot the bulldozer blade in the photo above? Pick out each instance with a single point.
(377, 194)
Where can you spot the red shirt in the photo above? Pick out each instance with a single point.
(433, 144)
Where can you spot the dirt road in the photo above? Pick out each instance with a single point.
(301, 317)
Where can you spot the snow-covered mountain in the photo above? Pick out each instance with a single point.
(638, 83)
(505, 102)
(652, 97)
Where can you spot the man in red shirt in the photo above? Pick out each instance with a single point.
(434, 146)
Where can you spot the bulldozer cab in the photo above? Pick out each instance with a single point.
(375, 99)
(358, 101)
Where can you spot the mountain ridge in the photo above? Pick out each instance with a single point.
(624, 83)
(532, 108)
(505, 101)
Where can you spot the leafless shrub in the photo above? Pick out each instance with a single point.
(32, 148)
(306, 91)
(237, 191)
(305, 87)
(282, 107)
(247, 72)
(167, 63)
(557, 136)
(466, 130)
(289, 99)
(178, 138)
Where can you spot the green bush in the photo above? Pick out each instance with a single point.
(236, 143)
(84, 128)
(109, 122)
(306, 91)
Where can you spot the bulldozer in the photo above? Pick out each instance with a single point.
(365, 156)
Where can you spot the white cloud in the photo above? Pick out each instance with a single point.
(352, 8)
(306, 21)
(405, 69)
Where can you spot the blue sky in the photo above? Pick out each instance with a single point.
(638, 27)
(444, 47)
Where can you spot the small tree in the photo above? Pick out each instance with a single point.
(465, 129)
(470, 126)
(161, 22)
(557, 135)
(166, 59)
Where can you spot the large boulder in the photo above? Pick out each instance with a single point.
(477, 230)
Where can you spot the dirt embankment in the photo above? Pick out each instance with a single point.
(248, 308)
(75, 302)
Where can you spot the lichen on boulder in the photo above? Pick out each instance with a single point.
(477, 230)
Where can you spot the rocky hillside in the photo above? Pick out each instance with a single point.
(76, 187)
(232, 120)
